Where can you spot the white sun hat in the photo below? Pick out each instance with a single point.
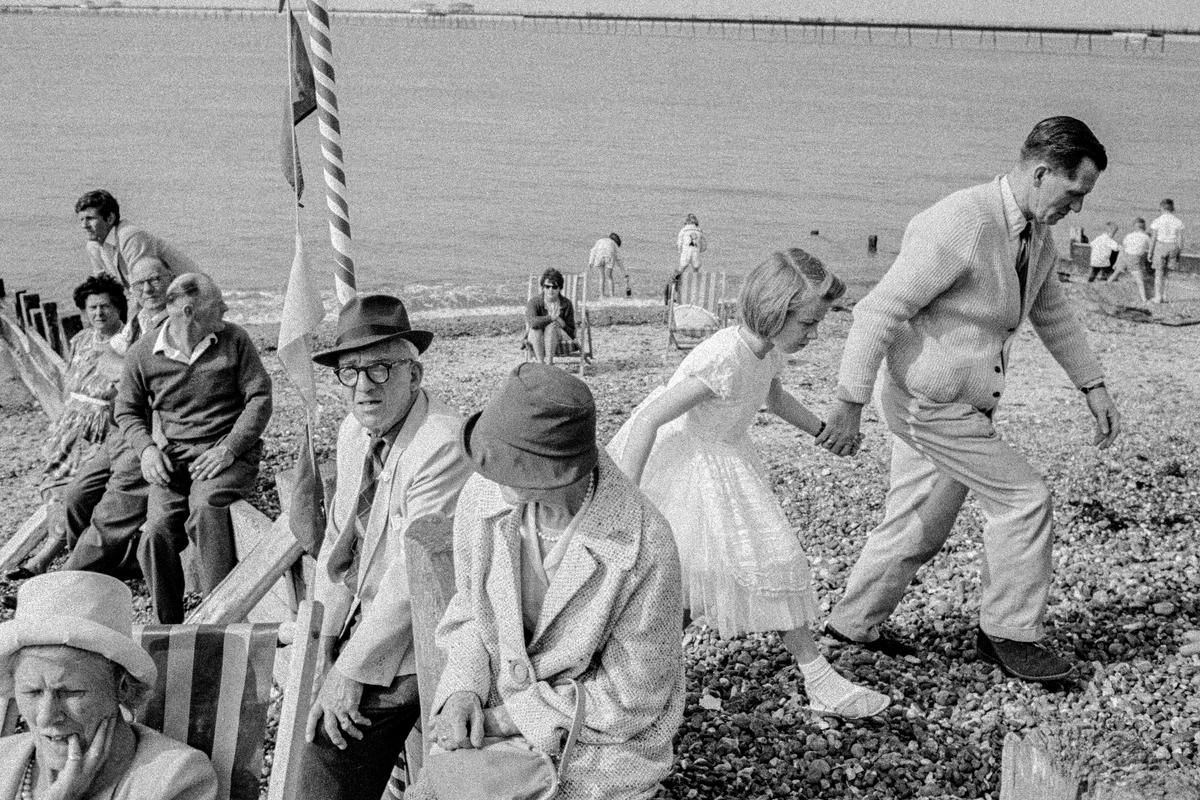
(85, 610)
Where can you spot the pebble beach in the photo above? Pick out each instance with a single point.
(1126, 586)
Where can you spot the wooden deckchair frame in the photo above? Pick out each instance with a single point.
(703, 290)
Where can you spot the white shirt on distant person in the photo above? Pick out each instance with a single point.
(1103, 246)
(1136, 243)
(1167, 229)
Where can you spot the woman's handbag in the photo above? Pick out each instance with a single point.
(504, 768)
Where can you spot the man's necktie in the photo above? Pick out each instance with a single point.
(1023, 259)
(345, 557)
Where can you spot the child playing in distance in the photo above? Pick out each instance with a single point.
(688, 448)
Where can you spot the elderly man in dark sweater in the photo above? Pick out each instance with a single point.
(205, 380)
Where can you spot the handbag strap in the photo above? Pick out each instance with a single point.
(573, 734)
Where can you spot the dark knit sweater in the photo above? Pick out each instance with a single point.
(225, 394)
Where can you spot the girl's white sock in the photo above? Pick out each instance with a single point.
(829, 691)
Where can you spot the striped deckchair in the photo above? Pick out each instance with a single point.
(575, 290)
(696, 308)
(214, 691)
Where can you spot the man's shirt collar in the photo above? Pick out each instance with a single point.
(1013, 215)
(163, 345)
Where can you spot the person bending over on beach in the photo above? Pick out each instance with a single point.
(550, 318)
(204, 379)
(1104, 253)
(90, 383)
(114, 245)
(1133, 259)
(566, 586)
(1165, 247)
(398, 461)
(942, 321)
(106, 506)
(688, 448)
(605, 257)
(691, 243)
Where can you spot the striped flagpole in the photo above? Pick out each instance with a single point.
(331, 149)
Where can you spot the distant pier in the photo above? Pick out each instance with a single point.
(1050, 38)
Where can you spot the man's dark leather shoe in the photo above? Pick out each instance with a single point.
(885, 643)
(1028, 661)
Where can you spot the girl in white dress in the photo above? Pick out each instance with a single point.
(688, 448)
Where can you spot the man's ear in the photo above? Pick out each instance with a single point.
(1040, 172)
(418, 373)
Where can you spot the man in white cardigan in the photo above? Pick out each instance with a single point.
(398, 460)
(941, 323)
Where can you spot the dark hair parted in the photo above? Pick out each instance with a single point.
(552, 276)
(1063, 143)
(1167, 205)
(101, 284)
(780, 285)
(99, 199)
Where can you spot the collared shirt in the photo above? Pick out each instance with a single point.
(163, 345)
(126, 244)
(1013, 215)
(1167, 228)
(1103, 246)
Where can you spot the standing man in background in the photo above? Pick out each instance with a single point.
(115, 245)
(1166, 246)
(606, 256)
(941, 322)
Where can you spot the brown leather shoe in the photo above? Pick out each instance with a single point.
(884, 643)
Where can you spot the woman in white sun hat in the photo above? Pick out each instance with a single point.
(69, 659)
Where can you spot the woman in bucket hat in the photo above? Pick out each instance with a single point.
(70, 661)
(564, 573)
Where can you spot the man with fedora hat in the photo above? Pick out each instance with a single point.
(398, 461)
(567, 584)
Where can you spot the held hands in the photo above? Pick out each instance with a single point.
(156, 467)
(211, 463)
(1108, 419)
(74, 782)
(460, 723)
(336, 709)
(841, 436)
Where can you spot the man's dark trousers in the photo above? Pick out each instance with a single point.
(191, 510)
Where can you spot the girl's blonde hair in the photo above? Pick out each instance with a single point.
(780, 285)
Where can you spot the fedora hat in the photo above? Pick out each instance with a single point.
(84, 610)
(537, 432)
(370, 319)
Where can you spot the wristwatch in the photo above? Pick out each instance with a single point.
(1086, 389)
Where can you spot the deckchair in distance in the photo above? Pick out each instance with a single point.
(696, 308)
(575, 290)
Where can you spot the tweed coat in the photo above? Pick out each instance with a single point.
(611, 619)
(423, 474)
(945, 314)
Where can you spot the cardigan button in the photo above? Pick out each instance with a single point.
(995, 394)
(998, 369)
(520, 673)
(1011, 330)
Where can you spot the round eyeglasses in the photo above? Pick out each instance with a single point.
(378, 373)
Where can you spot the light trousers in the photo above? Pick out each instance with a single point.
(939, 453)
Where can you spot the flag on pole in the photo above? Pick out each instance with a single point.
(302, 313)
(301, 101)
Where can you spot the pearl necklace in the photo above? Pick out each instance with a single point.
(26, 792)
(586, 499)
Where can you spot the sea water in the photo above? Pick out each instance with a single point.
(479, 156)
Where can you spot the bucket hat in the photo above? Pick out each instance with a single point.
(85, 610)
(370, 319)
(537, 432)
